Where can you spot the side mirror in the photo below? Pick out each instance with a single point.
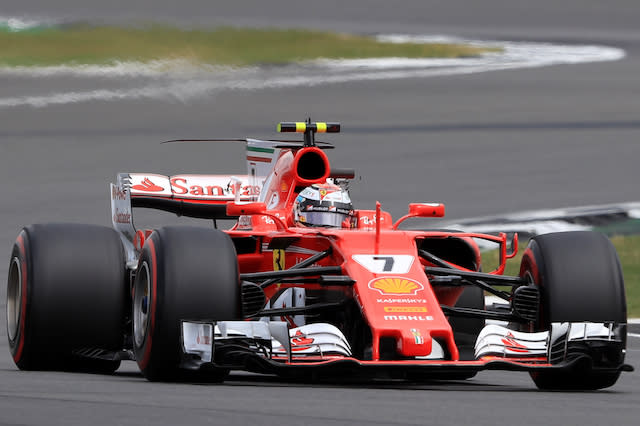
(512, 246)
(234, 209)
(422, 210)
(426, 210)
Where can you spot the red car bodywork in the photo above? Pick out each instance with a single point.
(397, 302)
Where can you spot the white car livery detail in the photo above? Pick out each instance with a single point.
(315, 339)
(496, 340)
(311, 339)
(196, 187)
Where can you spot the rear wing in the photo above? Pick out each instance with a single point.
(206, 196)
(201, 196)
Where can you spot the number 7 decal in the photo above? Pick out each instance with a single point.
(388, 262)
(378, 264)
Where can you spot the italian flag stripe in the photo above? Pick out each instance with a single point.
(256, 149)
(259, 159)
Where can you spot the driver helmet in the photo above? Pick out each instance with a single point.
(326, 205)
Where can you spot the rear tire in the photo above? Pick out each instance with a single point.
(580, 280)
(184, 273)
(65, 295)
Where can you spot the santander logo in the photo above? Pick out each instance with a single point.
(208, 187)
(147, 186)
(511, 344)
(301, 341)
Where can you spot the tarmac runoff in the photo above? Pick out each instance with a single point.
(559, 220)
(622, 217)
(183, 80)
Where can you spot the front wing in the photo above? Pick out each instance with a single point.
(272, 348)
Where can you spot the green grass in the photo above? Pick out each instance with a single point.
(628, 248)
(83, 44)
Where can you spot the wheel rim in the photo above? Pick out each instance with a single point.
(142, 292)
(14, 298)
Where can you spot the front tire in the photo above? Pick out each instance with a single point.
(184, 273)
(580, 281)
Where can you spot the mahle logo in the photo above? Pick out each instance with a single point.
(396, 286)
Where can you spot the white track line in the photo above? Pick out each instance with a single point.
(183, 81)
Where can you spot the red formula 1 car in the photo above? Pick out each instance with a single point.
(304, 285)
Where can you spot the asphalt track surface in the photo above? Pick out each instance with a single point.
(483, 143)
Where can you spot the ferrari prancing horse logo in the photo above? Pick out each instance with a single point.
(278, 260)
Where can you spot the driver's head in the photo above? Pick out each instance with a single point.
(324, 204)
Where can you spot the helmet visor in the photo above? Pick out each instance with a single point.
(330, 219)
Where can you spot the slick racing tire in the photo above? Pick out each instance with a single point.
(184, 273)
(580, 280)
(66, 298)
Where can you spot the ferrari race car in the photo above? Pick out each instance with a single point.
(303, 285)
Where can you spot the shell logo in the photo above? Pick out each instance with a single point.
(396, 286)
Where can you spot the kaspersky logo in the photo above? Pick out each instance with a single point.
(396, 286)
